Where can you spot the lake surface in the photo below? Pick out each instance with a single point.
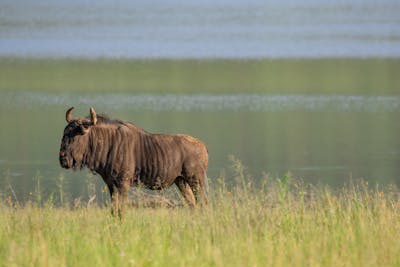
(324, 139)
(200, 29)
(342, 124)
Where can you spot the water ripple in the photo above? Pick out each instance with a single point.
(207, 102)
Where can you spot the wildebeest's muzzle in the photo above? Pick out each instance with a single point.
(64, 161)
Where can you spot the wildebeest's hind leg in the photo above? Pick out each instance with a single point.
(198, 182)
(186, 191)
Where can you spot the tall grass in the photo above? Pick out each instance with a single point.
(278, 222)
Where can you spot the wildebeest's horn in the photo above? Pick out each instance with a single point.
(68, 115)
(93, 116)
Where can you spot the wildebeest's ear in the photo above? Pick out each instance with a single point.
(93, 116)
(68, 115)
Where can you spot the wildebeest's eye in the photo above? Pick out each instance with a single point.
(83, 128)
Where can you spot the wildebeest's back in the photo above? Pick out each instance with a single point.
(161, 158)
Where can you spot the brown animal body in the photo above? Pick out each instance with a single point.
(125, 155)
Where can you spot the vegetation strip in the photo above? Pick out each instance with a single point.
(371, 76)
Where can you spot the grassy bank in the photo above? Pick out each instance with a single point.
(277, 223)
(339, 76)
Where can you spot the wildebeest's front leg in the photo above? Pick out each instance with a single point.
(124, 191)
(114, 194)
(119, 197)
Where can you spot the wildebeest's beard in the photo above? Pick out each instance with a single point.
(74, 142)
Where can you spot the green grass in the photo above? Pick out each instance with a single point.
(338, 76)
(279, 222)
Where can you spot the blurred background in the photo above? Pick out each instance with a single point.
(307, 87)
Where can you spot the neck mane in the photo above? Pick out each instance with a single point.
(104, 138)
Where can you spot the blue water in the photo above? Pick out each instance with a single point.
(205, 102)
(200, 29)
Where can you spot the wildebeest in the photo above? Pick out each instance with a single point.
(125, 155)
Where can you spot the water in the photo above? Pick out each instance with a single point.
(200, 29)
(207, 102)
(320, 138)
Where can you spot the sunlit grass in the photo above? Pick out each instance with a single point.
(277, 222)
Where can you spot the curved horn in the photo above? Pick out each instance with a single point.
(93, 116)
(68, 115)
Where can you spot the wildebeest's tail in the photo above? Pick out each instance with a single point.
(206, 187)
